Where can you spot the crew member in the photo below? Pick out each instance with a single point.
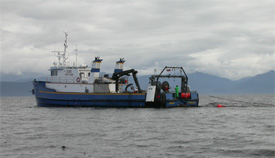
(177, 91)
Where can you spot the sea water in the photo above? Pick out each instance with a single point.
(244, 128)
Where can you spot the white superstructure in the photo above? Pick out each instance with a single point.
(66, 78)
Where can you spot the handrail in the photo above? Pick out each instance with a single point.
(65, 79)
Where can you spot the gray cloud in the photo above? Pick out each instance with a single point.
(227, 38)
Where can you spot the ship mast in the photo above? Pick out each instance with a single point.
(65, 48)
(63, 55)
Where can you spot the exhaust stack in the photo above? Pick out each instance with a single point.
(119, 65)
(95, 70)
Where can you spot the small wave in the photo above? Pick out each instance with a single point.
(249, 152)
(263, 152)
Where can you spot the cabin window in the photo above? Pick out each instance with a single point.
(53, 73)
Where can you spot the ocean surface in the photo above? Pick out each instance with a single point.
(244, 128)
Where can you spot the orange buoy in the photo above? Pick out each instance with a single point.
(220, 106)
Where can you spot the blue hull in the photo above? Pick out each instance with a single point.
(51, 98)
(90, 100)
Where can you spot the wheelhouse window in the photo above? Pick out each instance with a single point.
(53, 73)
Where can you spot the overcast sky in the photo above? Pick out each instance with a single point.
(227, 38)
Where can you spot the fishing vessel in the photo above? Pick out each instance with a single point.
(84, 86)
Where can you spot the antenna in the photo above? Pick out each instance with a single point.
(65, 48)
(54, 47)
(76, 55)
(54, 63)
(63, 55)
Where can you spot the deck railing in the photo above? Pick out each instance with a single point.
(66, 80)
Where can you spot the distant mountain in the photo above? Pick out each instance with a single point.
(208, 84)
(201, 82)
(242, 80)
(263, 83)
(24, 77)
(16, 88)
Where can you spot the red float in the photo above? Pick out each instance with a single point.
(220, 106)
(185, 95)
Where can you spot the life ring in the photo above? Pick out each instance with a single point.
(77, 79)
